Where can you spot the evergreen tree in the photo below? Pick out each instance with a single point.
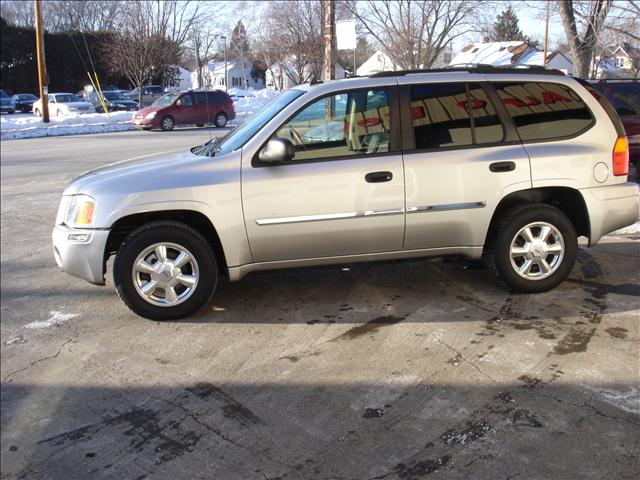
(239, 47)
(506, 28)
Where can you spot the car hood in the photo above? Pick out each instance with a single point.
(147, 110)
(150, 172)
(5, 101)
(76, 104)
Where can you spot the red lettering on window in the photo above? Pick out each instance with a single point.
(417, 113)
(552, 97)
(369, 122)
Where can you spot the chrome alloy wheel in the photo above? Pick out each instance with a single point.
(165, 274)
(537, 251)
(221, 120)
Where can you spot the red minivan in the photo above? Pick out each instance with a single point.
(187, 108)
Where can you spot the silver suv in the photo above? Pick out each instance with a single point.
(508, 165)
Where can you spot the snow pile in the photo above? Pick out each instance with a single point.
(248, 102)
(20, 126)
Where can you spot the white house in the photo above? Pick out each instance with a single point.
(376, 63)
(284, 76)
(510, 54)
(238, 73)
(182, 80)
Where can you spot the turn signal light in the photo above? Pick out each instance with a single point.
(621, 156)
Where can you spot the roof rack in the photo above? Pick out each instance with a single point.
(475, 68)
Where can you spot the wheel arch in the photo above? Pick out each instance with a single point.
(568, 200)
(196, 220)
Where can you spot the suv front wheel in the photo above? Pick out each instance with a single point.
(533, 248)
(165, 270)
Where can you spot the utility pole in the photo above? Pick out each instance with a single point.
(42, 68)
(546, 37)
(226, 79)
(329, 39)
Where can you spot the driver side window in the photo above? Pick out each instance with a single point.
(344, 124)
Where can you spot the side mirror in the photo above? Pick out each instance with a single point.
(277, 150)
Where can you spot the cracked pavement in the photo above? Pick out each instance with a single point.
(400, 370)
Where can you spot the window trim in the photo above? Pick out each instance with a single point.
(395, 145)
(554, 139)
(509, 136)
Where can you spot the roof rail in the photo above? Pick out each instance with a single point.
(474, 68)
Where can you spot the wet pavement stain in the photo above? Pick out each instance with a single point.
(601, 290)
(523, 418)
(374, 413)
(617, 332)
(371, 326)
(422, 468)
(531, 382)
(472, 432)
(231, 407)
(573, 342)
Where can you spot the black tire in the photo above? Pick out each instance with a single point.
(167, 123)
(199, 125)
(498, 255)
(172, 233)
(220, 120)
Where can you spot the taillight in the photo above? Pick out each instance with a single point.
(621, 156)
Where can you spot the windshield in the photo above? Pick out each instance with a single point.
(165, 100)
(27, 97)
(67, 98)
(114, 96)
(248, 129)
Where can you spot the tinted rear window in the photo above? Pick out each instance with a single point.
(453, 115)
(544, 111)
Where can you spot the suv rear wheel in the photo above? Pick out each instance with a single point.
(533, 249)
(165, 270)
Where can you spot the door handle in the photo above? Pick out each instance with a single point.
(502, 167)
(378, 177)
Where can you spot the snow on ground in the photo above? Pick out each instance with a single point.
(29, 126)
(635, 228)
(13, 127)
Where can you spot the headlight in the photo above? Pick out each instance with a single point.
(80, 211)
(150, 115)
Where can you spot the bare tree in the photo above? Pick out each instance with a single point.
(415, 32)
(149, 40)
(583, 45)
(201, 41)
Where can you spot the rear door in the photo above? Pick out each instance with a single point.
(462, 156)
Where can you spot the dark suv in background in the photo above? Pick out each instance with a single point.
(115, 101)
(624, 95)
(188, 108)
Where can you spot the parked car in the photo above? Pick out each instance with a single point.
(624, 95)
(115, 101)
(61, 104)
(188, 108)
(150, 94)
(5, 103)
(22, 102)
(509, 165)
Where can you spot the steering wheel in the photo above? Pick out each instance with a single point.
(297, 138)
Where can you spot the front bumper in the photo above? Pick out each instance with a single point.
(611, 208)
(81, 258)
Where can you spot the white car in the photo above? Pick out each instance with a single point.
(61, 104)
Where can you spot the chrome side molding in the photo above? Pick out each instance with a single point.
(329, 216)
(445, 207)
(369, 213)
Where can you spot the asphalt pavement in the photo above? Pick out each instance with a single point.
(400, 370)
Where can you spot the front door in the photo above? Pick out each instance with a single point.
(342, 194)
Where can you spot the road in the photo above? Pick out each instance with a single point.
(401, 370)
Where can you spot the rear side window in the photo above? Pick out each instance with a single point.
(544, 111)
(453, 115)
(199, 98)
(216, 98)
